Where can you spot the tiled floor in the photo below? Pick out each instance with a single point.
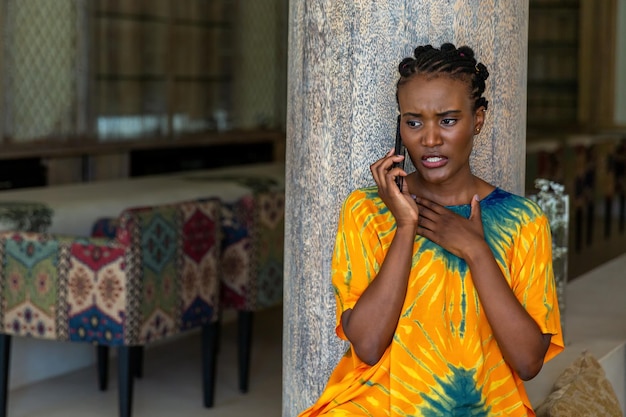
(171, 385)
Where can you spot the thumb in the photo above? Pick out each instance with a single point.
(475, 209)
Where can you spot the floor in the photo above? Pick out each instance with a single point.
(171, 384)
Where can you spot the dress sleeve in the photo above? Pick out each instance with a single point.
(357, 253)
(533, 280)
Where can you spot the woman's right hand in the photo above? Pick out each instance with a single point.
(401, 203)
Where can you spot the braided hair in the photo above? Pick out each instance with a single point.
(450, 61)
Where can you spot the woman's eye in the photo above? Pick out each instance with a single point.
(448, 122)
(413, 123)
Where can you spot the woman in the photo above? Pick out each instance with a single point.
(445, 288)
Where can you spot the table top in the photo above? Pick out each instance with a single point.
(77, 206)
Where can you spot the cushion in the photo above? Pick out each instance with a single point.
(581, 390)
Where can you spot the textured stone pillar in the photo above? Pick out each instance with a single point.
(341, 117)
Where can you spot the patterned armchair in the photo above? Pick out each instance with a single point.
(252, 262)
(251, 267)
(156, 278)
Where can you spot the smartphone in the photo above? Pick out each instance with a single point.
(399, 151)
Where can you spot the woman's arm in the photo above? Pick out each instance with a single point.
(520, 339)
(518, 335)
(370, 325)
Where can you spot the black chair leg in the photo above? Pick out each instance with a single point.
(209, 359)
(5, 357)
(591, 209)
(622, 212)
(218, 333)
(102, 354)
(245, 343)
(125, 375)
(578, 228)
(137, 361)
(608, 218)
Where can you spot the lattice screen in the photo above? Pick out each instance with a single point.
(113, 69)
(42, 82)
(260, 69)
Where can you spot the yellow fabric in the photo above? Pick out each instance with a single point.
(443, 359)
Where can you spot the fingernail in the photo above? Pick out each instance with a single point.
(413, 196)
(476, 197)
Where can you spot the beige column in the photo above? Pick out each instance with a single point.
(341, 117)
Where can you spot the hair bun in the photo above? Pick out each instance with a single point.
(405, 67)
(481, 71)
(422, 50)
(447, 47)
(466, 51)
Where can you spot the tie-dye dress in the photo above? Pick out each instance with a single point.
(443, 360)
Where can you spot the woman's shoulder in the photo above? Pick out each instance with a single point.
(506, 202)
(363, 195)
(364, 201)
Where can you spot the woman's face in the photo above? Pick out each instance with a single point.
(437, 127)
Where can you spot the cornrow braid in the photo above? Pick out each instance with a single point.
(448, 60)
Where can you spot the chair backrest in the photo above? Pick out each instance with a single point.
(157, 277)
(105, 227)
(175, 284)
(62, 287)
(253, 251)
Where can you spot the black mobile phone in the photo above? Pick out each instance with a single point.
(399, 151)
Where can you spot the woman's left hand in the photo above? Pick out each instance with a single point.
(449, 230)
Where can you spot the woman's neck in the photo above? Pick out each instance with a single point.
(449, 194)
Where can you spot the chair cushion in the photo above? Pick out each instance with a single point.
(581, 390)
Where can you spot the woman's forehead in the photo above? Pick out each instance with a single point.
(428, 90)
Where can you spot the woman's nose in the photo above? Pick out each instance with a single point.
(430, 138)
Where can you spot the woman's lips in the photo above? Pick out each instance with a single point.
(434, 161)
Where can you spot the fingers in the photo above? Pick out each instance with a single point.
(428, 204)
(375, 168)
(445, 227)
(429, 212)
(383, 170)
(475, 216)
(429, 209)
(399, 202)
(475, 208)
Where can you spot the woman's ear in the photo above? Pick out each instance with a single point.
(479, 119)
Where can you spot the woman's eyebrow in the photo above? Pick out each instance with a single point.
(449, 113)
(440, 114)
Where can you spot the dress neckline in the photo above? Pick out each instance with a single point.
(487, 198)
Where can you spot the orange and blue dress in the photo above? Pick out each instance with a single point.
(443, 359)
